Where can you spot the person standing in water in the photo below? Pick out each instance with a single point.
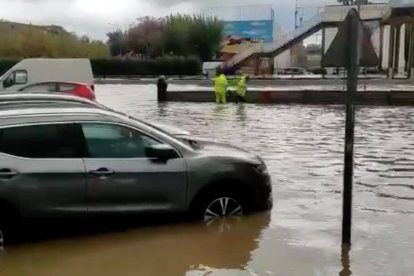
(220, 88)
(242, 89)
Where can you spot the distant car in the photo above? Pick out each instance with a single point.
(317, 70)
(372, 71)
(67, 160)
(76, 89)
(292, 71)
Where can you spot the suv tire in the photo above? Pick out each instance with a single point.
(217, 205)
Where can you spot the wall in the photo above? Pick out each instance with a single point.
(283, 60)
(338, 13)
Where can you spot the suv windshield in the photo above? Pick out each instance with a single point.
(186, 140)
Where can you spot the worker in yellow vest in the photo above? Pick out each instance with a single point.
(220, 88)
(242, 89)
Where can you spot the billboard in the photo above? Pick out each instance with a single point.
(256, 29)
(402, 3)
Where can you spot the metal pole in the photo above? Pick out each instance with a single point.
(352, 86)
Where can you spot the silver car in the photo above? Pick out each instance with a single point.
(65, 159)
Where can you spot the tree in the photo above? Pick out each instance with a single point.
(24, 41)
(192, 35)
(178, 35)
(117, 41)
(145, 38)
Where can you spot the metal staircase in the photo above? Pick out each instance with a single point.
(285, 42)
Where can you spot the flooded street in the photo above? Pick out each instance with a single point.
(303, 148)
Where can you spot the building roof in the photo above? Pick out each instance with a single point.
(235, 48)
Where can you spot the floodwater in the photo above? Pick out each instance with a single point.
(303, 147)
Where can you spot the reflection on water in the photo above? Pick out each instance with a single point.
(346, 267)
(303, 148)
(161, 250)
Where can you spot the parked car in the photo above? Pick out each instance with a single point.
(38, 70)
(70, 161)
(77, 89)
(292, 71)
(317, 70)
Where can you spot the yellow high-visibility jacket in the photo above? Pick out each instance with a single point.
(242, 87)
(220, 84)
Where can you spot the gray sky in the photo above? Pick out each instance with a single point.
(95, 17)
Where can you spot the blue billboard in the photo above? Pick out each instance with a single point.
(402, 3)
(257, 29)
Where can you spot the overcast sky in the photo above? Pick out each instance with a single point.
(95, 17)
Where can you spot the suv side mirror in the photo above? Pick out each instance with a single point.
(161, 151)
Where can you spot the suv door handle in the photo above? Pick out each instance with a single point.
(102, 172)
(7, 174)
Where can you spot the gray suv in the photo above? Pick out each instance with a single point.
(63, 160)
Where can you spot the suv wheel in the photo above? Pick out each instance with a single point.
(220, 206)
(223, 207)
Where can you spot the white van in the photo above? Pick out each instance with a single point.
(210, 68)
(39, 70)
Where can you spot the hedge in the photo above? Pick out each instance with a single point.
(129, 67)
(6, 64)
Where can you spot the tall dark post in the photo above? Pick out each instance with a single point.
(351, 48)
(397, 49)
(323, 47)
(381, 50)
(353, 51)
(411, 51)
(391, 52)
(162, 89)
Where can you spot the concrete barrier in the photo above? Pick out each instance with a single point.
(376, 98)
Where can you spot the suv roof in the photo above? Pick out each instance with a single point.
(37, 99)
(41, 95)
(17, 108)
(38, 108)
(40, 114)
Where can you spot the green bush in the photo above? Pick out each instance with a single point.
(129, 67)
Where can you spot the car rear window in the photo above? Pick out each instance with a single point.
(42, 141)
(48, 87)
(66, 87)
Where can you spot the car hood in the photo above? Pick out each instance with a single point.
(174, 131)
(224, 152)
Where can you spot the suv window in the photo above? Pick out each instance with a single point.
(114, 141)
(42, 141)
(41, 87)
(66, 87)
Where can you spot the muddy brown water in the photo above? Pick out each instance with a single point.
(302, 146)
